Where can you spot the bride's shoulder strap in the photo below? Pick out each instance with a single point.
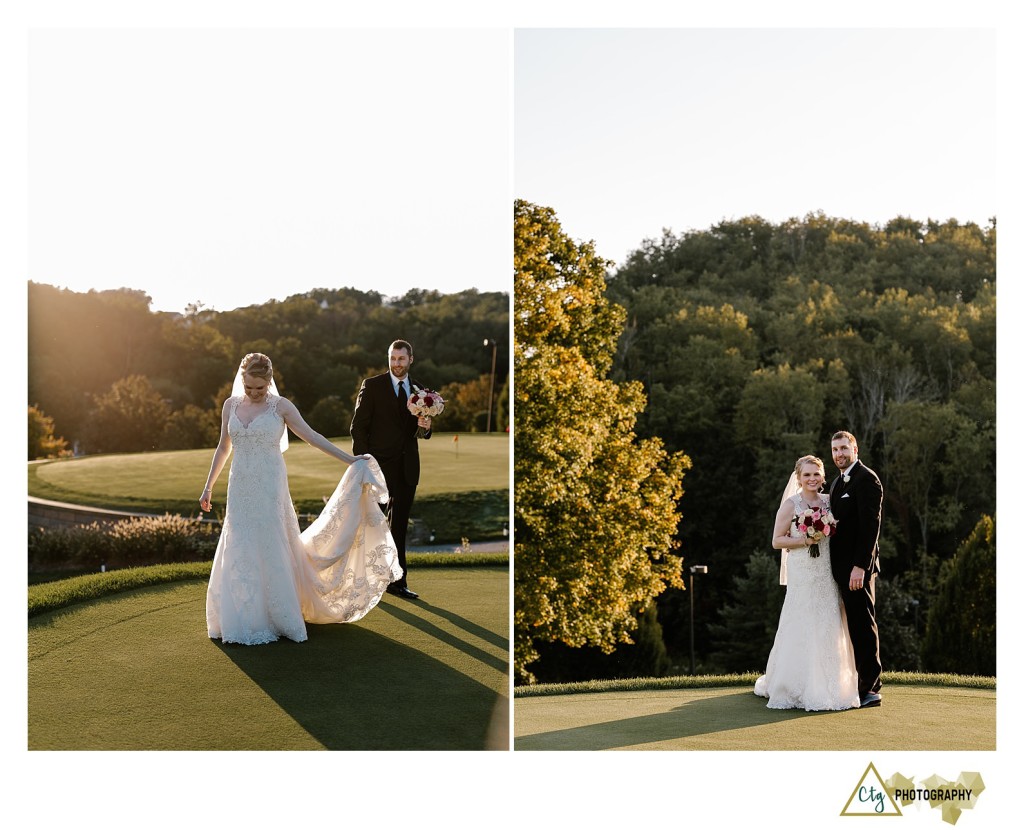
(280, 405)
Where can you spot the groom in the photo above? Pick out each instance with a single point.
(383, 426)
(856, 500)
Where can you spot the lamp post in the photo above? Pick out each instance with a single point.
(694, 569)
(494, 359)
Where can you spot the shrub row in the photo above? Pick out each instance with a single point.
(133, 542)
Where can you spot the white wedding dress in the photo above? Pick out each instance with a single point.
(268, 580)
(811, 665)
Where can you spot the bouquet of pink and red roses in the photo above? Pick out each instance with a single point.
(815, 523)
(424, 403)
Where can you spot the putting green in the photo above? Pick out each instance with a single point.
(158, 481)
(137, 671)
(910, 718)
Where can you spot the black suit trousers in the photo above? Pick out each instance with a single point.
(398, 510)
(860, 618)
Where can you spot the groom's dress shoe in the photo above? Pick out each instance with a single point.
(405, 593)
(870, 699)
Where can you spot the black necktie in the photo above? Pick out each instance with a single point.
(402, 397)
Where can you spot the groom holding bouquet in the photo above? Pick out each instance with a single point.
(383, 426)
(855, 497)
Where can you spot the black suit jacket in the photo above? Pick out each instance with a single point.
(384, 428)
(857, 507)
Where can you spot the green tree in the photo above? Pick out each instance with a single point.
(961, 632)
(331, 416)
(196, 357)
(79, 344)
(644, 657)
(502, 414)
(778, 420)
(918, 436)
(191, 428)
(898, 622)
(42, 443)
(595, 508)
(130, 417)
(746, 629)
(464, 402)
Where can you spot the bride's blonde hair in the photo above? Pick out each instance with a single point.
(809, 459)
(257, 365)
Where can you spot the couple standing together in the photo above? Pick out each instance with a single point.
(826, 653)
(268, 579)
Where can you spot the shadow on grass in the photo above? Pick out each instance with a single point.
(409, 618)
(135, 670)
(704, 716)
(351, 688)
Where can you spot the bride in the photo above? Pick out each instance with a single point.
(811, 665)
(268, 579)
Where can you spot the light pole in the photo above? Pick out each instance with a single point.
(494, 360)
(694, 569)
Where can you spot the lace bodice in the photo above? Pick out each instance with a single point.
(262, 432)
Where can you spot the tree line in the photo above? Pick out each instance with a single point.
(753, 342)
(107, 374)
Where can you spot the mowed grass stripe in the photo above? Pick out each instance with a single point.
(137, 671)
(911, 718)
(155, 481)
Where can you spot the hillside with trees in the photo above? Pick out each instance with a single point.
(753, 342)
(107, 374)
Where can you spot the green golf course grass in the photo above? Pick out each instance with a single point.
(151, 481)
(912, 717)
(135, 670)
(463, 490)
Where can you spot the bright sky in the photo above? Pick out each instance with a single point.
(233, 166)
(625, 132)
